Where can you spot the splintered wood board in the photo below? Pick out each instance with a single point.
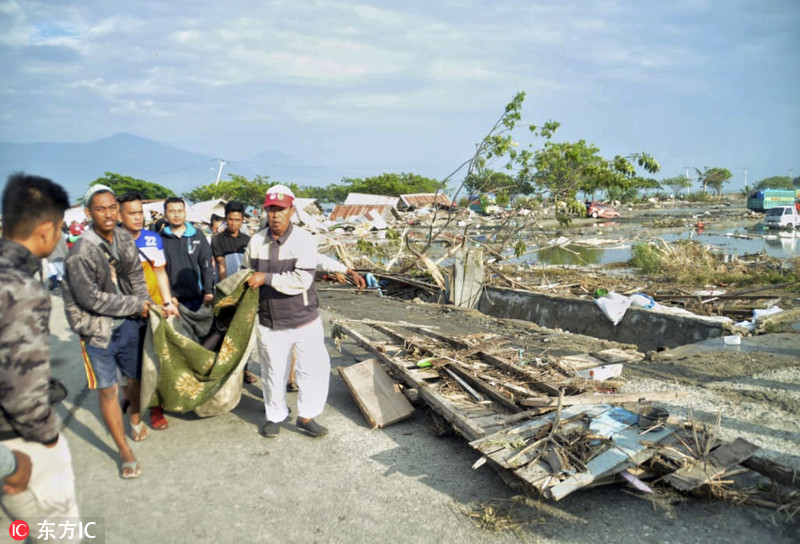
(719, 461)
(378, 397)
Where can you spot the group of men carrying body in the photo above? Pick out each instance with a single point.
(114, 275)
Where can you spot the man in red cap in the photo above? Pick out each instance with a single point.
(284, 259)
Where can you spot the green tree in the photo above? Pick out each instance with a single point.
(488, 181)
(123, 184)
(564, 168)
(717, 177)
(249, 192)
(775, 182)
(391, 184)
(331, 193)
(713, 177)
(678, 184)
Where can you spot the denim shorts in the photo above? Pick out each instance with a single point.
(123, 352)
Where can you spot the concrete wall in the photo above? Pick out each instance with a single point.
(646, 329)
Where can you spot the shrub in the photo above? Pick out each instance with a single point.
(699, 196)
(646, 258)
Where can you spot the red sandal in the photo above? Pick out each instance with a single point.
(157, 419)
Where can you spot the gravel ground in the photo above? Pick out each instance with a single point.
(754, 389)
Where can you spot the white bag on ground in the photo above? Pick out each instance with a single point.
(614, 306)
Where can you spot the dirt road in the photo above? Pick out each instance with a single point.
(217, 480)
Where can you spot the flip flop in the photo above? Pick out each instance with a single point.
(133, 466)
(249, 377)
(138, 431)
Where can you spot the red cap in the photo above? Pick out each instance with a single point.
(279, 195)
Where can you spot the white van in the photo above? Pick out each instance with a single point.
(782, 217)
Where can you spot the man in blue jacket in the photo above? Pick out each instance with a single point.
(191, 275)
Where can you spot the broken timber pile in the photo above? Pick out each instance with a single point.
(546, 422)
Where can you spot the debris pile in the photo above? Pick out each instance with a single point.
(554, 420)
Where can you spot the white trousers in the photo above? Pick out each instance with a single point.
(313, 369)
(51, 489)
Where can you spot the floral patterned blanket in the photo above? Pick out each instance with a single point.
(181, 375)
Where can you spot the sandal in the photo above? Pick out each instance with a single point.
(249, 377)
(138, 431)
(130, 470)
(157, 419)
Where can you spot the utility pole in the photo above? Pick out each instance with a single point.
(745, 176)
(219, 172)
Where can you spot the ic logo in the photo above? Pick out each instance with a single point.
(18, 530)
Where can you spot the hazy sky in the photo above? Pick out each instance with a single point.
(392, 86)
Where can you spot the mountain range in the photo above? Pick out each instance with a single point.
(75, 165)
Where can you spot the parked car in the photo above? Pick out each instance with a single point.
(598, 209)
(782, 217)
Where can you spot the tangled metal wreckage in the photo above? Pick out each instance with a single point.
(553, 423)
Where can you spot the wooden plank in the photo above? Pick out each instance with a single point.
(603, 398)
(504, 445)
(468, 278)
(719, 461)
(427, 373)
(733, 453)
(491, 342)
(616, 355)
(581, 361)
(377, 396)
(457, 367)
(780, 473)
(485, 388)
(436, 401)
(532, 378)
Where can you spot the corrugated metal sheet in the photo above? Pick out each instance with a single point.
(346, 212)
(425, 200)
(361, 199)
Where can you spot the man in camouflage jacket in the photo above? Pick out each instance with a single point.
(33, 211)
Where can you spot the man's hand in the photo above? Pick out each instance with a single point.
(145, 310)
(18, 482)
(207, 298)
(257, 280)
(358, 279)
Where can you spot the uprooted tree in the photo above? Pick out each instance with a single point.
(556, 170)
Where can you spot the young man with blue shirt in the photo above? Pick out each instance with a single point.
(189, 268)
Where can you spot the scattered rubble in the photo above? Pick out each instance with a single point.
(534, 416)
